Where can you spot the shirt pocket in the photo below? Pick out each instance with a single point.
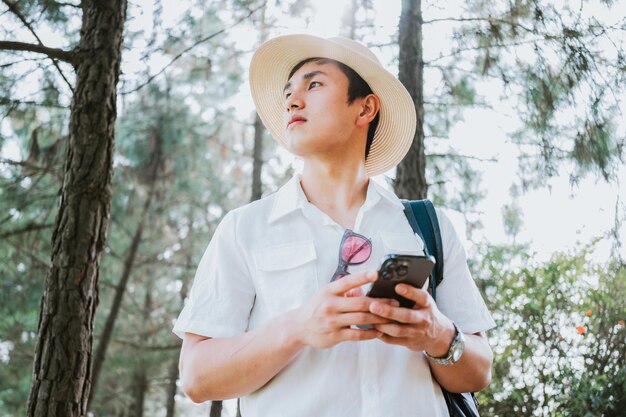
(287, 275)
(402, 244)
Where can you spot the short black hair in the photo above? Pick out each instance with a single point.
(357, 88)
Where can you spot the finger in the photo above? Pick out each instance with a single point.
(343, 285)
(400, 341)
(389, 301)
(358, 334)
(349, 319)
(356, 304)
(355, 292)
(399, 314)
(397, 330)
(421, 297)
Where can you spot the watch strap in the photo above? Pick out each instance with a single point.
(458, 343)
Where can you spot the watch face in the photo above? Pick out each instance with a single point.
(457, 350)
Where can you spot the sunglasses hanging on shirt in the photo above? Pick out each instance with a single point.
(353, 250)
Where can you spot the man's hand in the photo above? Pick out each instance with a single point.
(423, 327)
(326, 319)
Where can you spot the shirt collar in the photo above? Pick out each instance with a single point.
(376, 192)
(290, 197)
(287, 199)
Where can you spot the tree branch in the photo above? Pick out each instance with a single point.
(143, 346)
(13, 8)
(53, 53)
(60, 3)
(6, 101)
(28, 228)
(456, 156)
(480, 19)
(451, 104)
(184, 51)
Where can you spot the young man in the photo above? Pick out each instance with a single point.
(268, 319)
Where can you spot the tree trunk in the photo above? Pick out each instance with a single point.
(62, 365)
(120, 289)
(172, 388)
(140, 376)
(259, 129)
(410, 179)
(139, 388)
(216, 409)
(257, 161)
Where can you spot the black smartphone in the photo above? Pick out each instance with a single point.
(401, 269)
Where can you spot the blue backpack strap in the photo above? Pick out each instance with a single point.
(423, 220)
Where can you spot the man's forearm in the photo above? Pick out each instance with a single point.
(472, 372)
(217, 369)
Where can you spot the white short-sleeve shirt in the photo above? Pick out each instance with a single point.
(271, 255)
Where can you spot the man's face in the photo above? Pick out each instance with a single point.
(318, 119)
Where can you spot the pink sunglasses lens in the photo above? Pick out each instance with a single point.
(356, 250)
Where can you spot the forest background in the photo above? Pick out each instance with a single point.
(127, 132)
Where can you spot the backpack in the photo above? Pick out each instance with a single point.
(423, 220)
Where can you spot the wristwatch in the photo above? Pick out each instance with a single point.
(455, 351)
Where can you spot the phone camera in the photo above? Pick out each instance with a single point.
(402, 271)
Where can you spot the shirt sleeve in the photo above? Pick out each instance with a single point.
(222, 293)
(458, 296)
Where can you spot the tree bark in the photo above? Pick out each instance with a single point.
(410, 181)
(140, 386)
(257, 159)
(140, 376)
(62, 366)
(216, 409)
(172, 388)
(259, 129)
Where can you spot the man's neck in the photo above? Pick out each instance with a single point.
(339, 193)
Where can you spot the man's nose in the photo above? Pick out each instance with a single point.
(294, 101)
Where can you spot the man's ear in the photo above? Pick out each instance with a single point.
(370, 106)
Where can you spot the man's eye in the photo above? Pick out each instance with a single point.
(287, 95)
(314, 84)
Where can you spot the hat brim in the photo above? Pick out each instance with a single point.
(270, 68)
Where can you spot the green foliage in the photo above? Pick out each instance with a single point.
(566, 66)
(595, 147)
(461, 194)
(512, 219)
(558, 346)
(28, 195)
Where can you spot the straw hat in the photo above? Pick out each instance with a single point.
(273, 61)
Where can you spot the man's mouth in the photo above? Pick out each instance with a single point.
(296, 120)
